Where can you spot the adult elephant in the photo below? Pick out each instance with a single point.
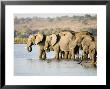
(66, 38)
(38, 39)
(89, 45)
(75, 43)
(59, 43)
(52, 44)
(70, 43)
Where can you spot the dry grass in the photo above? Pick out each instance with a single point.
(63, 24)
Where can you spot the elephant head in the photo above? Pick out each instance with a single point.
(39, 38)
(81, 35)
(34, 39)
(50, 41)
(30, 42)
(52, 44)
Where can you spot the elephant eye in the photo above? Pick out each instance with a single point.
(50, 37)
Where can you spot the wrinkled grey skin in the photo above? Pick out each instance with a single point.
(66, 45)
(75, 43)
(38, 39)
(71, 43)
(89, 48)
(64, 42)
(60, 44)
(86, 42)
(52, 44)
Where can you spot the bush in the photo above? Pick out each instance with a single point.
(20, 40)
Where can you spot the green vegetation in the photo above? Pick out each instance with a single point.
(20, 40)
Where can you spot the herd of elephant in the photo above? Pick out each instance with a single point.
(66, 45)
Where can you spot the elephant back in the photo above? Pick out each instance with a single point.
(65, 38)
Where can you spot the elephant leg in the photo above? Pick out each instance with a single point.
(44, 55)
(66, 55)
(80, 59)
(69, 55)
(57, 50)
(94, 56)
(41, 52)
(72, 54)
(57, 55)
(60, 55)
(93, 60)
(85, 57)
(91, 57)
(77, 57)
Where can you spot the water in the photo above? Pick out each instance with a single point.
(28, 64)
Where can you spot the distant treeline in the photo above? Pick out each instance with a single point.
(23, 27)
(74, 17)
(48, 32)
(22, 39)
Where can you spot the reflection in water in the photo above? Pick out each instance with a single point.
(28, 64)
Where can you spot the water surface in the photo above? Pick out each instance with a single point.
(28, 64)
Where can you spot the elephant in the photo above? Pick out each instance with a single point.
(60, 44)
(65, 43)
(65, 38)
(89, 45)
(75, 44)
(38, 39)
(70, 43)
(52, 44)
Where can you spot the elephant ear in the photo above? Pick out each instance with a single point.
(38, 37)
(30, 40)
(54, 39)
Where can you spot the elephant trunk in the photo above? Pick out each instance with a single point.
(29, 48)
(46, 47)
